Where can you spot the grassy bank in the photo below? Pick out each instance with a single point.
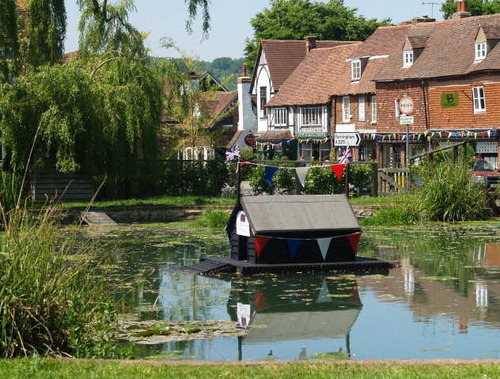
(185, 201)
(38, 368)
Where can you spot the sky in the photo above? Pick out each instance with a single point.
(230, 23)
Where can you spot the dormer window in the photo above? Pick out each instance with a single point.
(481, 50)
(356, 70)
(407, 58)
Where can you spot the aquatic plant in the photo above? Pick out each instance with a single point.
(53, 294)
(213, 218)
(449, 193)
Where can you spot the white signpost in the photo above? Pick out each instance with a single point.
(347, 139)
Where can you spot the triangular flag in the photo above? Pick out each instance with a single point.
(260, 243)
(244, 163)
(354, 241)
(324, 244)
(270, 171)
(338, 170)
(293, 248)
(301, 174)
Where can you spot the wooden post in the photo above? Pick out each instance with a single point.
(374, 179)
(347, 165)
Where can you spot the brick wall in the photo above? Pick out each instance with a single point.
(336, 117)
(387, 94)
(462, 116)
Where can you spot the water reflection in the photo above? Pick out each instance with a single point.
(442, 301)
(297, 309)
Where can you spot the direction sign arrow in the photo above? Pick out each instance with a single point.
(347, 139)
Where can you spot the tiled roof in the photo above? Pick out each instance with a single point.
(315, 78)
(384, 41)
(219, 103)
(274, 136)
(283, 56)
(449, 50)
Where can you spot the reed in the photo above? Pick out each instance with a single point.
(449, 193)
(53, 296)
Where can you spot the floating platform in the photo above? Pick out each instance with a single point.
(208, 266)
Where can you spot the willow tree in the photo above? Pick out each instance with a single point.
(8, 38)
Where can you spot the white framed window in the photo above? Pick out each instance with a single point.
(356, 69)
(311, 116)
(407, 58)
(279, 116)
(361, 108)
(374, 109)
(346, 109)
(481, 51)
(262, 101)
(479, 99)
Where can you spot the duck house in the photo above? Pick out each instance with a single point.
(293, 229)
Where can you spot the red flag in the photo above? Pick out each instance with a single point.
(260, 243)
(241, 164)
(338, 170)
(354, 241)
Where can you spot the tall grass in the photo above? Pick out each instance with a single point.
(53, 296)
(213, 218)
(449, 193)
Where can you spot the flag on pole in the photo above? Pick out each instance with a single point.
(234, 153)
(346, 156)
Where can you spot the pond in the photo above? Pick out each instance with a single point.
(442, 301)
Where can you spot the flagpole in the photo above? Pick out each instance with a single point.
(238, 182)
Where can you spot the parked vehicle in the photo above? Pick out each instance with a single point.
(485, 174)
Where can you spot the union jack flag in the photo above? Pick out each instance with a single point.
(234, 153)
(346, 156)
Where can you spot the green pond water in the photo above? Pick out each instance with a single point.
(442, 301)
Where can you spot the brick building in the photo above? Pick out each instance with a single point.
(451, 71)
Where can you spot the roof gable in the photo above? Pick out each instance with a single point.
(283, 56)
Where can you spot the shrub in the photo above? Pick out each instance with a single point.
(322, 181)
(213, 218)
(449, 193)
(53, 300)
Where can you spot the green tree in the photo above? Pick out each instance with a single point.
(296, 19)
(8, 38)
(45, 30)
(475, 7)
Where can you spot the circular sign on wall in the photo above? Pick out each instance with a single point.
(406, 105)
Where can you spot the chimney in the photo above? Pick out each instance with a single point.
(310, 43)
(424, 18)
(461, 11)
(247, 120)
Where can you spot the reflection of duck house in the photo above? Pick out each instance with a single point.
(294, 229)
(300, 308)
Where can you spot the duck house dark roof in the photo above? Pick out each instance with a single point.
(299, 213)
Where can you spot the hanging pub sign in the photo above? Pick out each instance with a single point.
(250, 140)
(449, 100)
(242, 224)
